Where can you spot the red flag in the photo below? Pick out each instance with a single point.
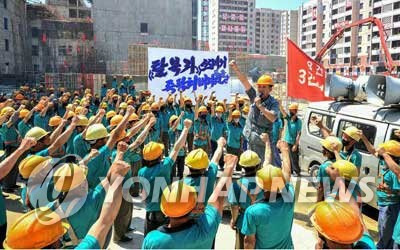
(44, 38)
(305, 77)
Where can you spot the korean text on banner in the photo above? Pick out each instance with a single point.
(305, 77)
(172, 70)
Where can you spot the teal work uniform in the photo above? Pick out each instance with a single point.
(3, 215)
(81, 147)
(128, 158)
(98, 166)
(154, 135)
(114, 84)
(188, 114)
(41, 121)
(210, 176)
(202, 129)
(353, 157)
(70, 143)
(366, 242)
(263, 219)
(150, 174)
(163, 116)
(23, 128)
(276, 128)
(89, 242)
(85, 212)
(61, 110)
(396, 231)
(234, 134)
(43, 153)
(197, 234)
(392, 195)
(237, 196)
(1, 142)
(218, 128)
(292, 130)
(10, 135)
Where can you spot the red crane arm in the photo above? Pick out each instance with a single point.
(332, 41)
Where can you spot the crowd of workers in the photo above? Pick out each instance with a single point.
(88, 149)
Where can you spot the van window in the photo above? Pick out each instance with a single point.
(327, 120)
(395, 134)
(368, 130)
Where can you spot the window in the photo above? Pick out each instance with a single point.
(377, 10)
(35, 50)
(396, 18)
(395, 135)
(36, 67)
(62, 50)
(73, 13)
(347, 50)
(368, 130)
(5, 4)
(327, 121)
(6, 23)
(143, 28)
(347, 60)
(6, 45)
(72, 2)
(359, 50)
(84, 14)
(361, 6)
(396, 5)
(348, 18)
(35, 32)
(347, 39)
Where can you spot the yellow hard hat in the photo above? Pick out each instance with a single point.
(353, 132)
(83, 101)
(246, 109)
(329, 141)
(116, 120)
(27, 165)
(70, 106)
(179, 200)
(172, 119)
(68, 177)
(23, 113)
(170, 99)
(83, 121)
(78, 109)
(187, 99)
(391, 147)
(133, 117)
(110, 114)
(55, 121)
(270, 178)
(249, 159)
(265, 80)
(197, 159)
(346, 169)
(219, 109)
(236, 113)
(115, 96)
(241, 100)
(155, 106)
(152, 151)
(7, 110)
(70, 114)
(95, 132)
(35, 230)
(121, 136)
(294, 106)
(203, 109)
(337, 221)
(37, 133)
(123, 105)
(104, 105)
(146, 107)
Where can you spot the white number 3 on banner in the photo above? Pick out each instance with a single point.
(302, 76)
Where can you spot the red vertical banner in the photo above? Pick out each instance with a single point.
(305, 77)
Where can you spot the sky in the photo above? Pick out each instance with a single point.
(279, 4)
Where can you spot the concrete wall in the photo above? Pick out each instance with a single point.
(13, 61)
(117, 25)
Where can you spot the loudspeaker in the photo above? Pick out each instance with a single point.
(339, 86)
(255, 74)
(383, 90)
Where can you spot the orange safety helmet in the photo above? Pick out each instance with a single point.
(337, 221)
(265, 80)
(19, 97)
(55, 121)
(133, 117)
(178, 201)
(155, 106)
(23, 113)
(116, 120)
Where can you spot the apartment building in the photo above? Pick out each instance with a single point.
(267, 31)
(289, 29)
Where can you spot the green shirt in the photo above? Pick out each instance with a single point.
(237, 196)
(396, 231)
(234, 134)
(201, 129)
(161, 171)
(89, 242)
(217, 128)
(210, 176)
(391, 195)
(81, 147)
(276, 127)
(23, 128)
(3, 215)
(98, 166)
(292, 130)
(271, 222)
(354, 157)
(10, 135)
(197, 234)
(366, 242)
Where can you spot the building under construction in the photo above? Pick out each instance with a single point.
(61, 39)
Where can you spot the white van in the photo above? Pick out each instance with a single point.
(377, 123)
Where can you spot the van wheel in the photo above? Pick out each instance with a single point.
(314, 169)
